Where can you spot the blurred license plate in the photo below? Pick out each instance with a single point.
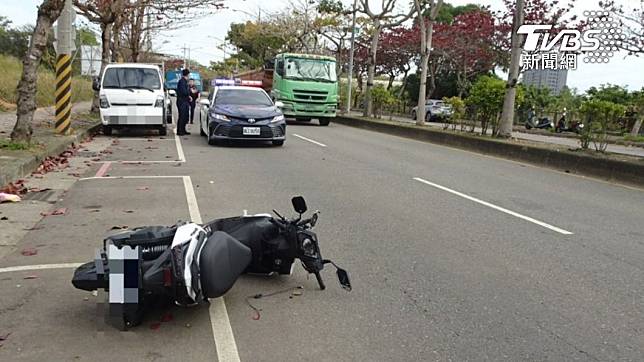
(251, 131)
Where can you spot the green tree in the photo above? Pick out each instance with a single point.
(458, 112)
(382, 99)
(599, 114)
(13, 41)
(611, 93)
(486, 100)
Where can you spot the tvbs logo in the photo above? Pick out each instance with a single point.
(569, 39)
(599, 42)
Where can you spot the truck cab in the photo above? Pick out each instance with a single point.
(307, 85)
(133, 95)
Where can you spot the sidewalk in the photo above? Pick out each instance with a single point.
(15, 164)
(564, 141)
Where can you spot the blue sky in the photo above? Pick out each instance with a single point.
(202, 37)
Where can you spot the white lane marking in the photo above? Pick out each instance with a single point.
(182, 156)
(143, 139)
(39, 267)
(193, 207)
(509, 212)
(126, 177)
(310, 140)
(221, 328)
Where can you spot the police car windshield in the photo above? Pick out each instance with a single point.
(245, 97)
(142, 78)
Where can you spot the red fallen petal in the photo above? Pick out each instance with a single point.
(29, 251)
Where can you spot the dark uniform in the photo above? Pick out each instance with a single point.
(194, 93)
(183, 106)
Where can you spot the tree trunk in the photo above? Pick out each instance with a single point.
(507, 117)
(115, 44)
(432, 81)
(401, 92)
(371, 68)
(426, 32)
(48, 12)
(391, 81)
(106, 40)
(136, 33)
(420, 110)
(636, 127)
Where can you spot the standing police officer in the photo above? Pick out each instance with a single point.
(183, 102)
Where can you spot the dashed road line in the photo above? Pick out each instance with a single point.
(499, 208)
(309, 140)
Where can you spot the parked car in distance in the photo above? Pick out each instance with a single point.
(435, 109)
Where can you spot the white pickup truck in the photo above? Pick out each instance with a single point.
(133, 95)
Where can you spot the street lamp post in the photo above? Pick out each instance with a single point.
(353, 36)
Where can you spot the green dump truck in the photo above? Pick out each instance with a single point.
(306, 84)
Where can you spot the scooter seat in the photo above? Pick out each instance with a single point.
(223, 258)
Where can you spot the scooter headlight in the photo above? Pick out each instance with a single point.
(308, 247)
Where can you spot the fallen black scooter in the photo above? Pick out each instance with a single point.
(189, 263)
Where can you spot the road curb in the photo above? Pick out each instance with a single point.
(23, 166)
(612, 169)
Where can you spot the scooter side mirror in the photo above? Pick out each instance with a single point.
(343, 278)
(299, 204)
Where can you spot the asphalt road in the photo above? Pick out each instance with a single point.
(570, 142)
(453, 255)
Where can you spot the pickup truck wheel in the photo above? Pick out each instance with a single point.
(324, 121)
(107, 130)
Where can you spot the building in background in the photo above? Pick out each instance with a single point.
(553, 79)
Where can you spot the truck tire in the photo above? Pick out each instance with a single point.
(107, 130)
(324, 121)
(163, 131)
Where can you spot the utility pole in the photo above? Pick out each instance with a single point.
(64, 48)
(353, 39)
(184, 56)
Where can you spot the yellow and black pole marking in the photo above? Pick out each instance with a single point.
(63, 93)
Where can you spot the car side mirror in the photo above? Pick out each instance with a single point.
(172, 93)
(205, 103)
(95, 84)
(279, 104)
